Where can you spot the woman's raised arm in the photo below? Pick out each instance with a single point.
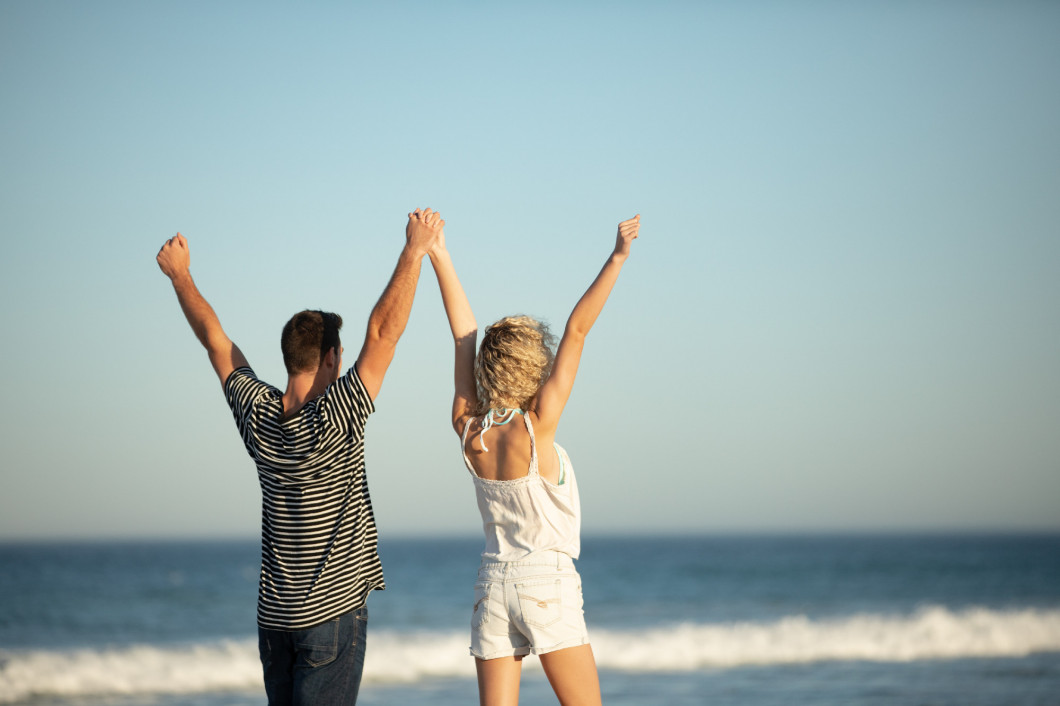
(465, 332)
(552, 397)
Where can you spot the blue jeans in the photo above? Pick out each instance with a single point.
(318, 666)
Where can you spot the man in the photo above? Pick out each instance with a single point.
(318, 536)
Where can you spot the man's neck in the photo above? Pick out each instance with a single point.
(301, 388)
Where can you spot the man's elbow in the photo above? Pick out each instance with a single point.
(216, 343)
(384, 335)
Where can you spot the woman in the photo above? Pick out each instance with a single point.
(506, 409)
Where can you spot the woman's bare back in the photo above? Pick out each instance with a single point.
(508, 457)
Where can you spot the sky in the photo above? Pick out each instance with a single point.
(842, 313)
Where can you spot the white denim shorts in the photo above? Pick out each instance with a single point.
(531, 606)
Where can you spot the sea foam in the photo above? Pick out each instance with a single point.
(409, 657)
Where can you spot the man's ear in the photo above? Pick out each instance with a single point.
(331, 358)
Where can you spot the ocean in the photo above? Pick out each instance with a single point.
(751, 620)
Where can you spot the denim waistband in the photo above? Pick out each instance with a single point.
(549, 558)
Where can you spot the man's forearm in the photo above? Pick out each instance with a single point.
(391, 313)
(200, 315)
(173, 260)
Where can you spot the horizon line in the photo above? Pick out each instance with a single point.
(607, 534)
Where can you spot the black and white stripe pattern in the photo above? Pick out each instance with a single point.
(318, 535)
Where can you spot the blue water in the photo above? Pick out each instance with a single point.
(673, 620)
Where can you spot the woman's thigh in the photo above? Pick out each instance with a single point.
(572, 674)
(498, 680)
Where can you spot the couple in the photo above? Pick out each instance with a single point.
(318, 545)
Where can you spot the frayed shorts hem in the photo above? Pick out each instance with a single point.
(517, 652)
(524, 651)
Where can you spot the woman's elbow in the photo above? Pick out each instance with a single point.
(576, 331)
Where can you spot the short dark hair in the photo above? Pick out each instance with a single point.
(307, 338)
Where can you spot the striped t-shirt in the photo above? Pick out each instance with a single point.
(318, 537)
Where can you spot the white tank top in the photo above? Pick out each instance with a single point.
(528, 514)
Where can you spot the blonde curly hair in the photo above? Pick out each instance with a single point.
(514, 360)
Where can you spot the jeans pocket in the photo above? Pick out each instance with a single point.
(264, 651)
(320, 645)
(540, 602)
(480, 614)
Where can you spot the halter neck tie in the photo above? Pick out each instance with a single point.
(504, 416)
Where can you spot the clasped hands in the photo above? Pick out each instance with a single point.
(424, 232)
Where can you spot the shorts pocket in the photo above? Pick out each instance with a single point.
(319, 645)
(540, 602)
(480, 614)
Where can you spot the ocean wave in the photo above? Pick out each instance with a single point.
(930, 633)
(408, 657)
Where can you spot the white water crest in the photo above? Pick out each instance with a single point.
(408, 657)
(930, 633)
(142, 669)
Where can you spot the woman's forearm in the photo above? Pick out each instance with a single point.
(592, 302)
(457, 307)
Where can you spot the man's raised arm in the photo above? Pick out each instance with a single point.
(391, 313)
(175, 261)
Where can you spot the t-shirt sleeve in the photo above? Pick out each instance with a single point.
(349, 402)
(242, 388)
